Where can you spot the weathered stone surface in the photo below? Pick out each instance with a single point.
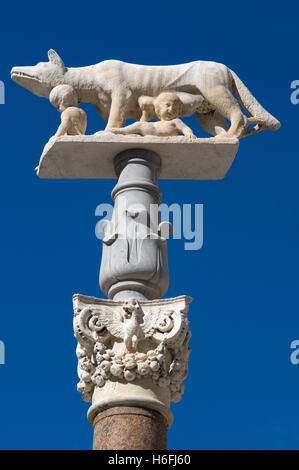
(117, 89)
(92, 156)
(131, 353)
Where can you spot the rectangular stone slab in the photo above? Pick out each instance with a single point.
(91, 156)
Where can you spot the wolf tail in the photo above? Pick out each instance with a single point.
(264, 119)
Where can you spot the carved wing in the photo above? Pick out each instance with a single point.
(157, 318)
(112, 321)
(149, 320)
(91, 321)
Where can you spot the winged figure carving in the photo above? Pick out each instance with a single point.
(134, 325)
(161, 325)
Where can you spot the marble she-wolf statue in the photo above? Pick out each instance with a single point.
(114, 87)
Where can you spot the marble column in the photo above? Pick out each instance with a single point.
(134, 257)
(132, 348)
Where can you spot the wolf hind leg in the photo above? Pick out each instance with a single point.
(213, 123)
(224, 102)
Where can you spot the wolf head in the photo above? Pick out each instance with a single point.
(42, 77)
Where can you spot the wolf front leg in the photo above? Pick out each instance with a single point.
(119, 107)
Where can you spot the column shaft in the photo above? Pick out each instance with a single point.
(125, 428)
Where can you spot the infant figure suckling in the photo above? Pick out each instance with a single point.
(73, 118)
(167, 107)
(169, 104)
(164, 107)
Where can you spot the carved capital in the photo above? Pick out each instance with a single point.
(132, 341)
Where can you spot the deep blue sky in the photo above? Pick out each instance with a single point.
(242, 391)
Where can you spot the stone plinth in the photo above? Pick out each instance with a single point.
(92, 156)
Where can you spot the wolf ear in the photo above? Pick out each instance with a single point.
(56, 59)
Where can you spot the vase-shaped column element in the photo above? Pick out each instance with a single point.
(134, 257)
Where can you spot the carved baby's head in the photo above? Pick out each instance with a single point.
(168, 106)
(63, 97)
